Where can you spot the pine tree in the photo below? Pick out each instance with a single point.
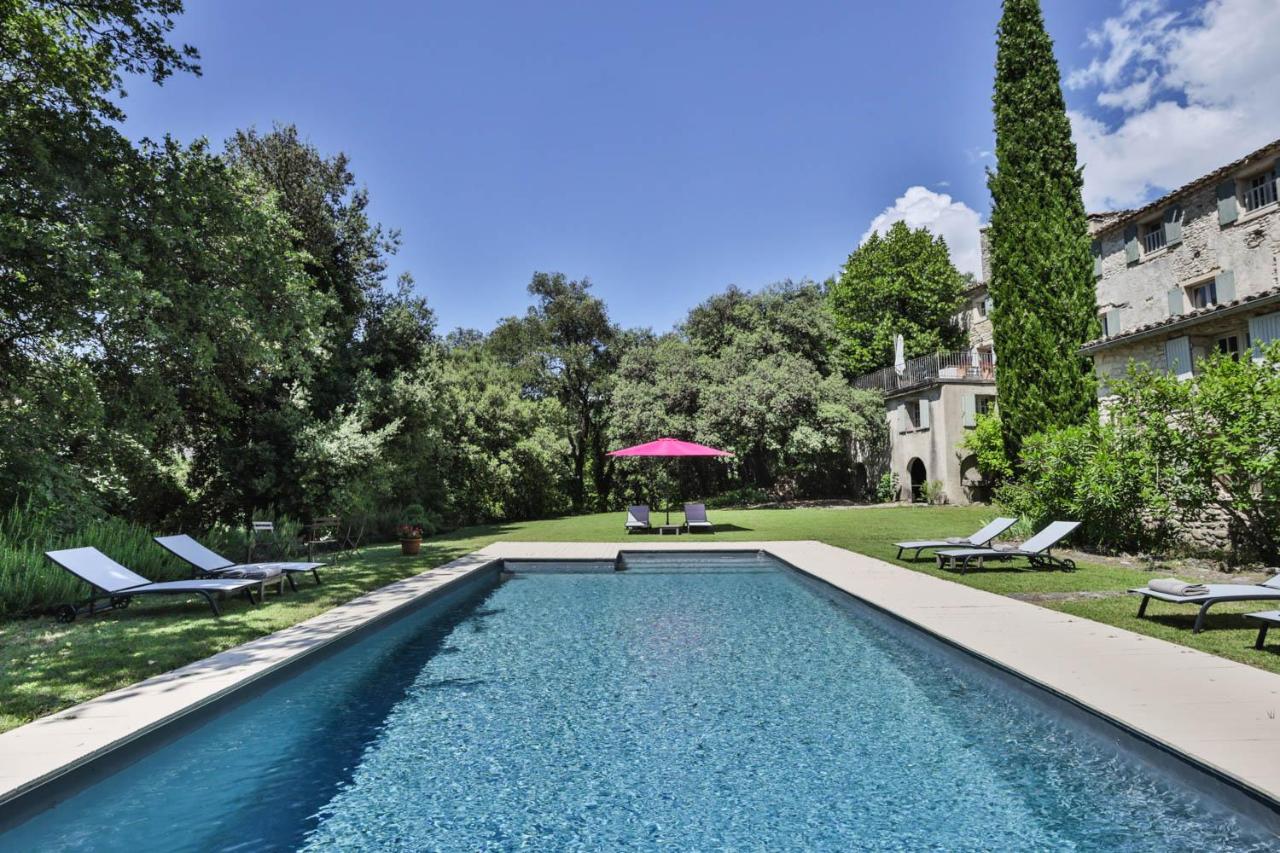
(1041, 268)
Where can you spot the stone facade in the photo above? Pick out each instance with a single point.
(926, 429)
(1191, 270)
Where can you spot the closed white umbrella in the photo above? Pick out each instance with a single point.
(899, 355)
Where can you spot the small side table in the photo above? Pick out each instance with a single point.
(672, 529)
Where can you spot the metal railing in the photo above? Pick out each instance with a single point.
(1260, 194)
(973, 365)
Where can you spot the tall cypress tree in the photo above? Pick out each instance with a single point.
(1041, 269)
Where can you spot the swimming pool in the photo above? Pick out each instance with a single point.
(689, 702)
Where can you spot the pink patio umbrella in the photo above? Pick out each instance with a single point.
(669, 448)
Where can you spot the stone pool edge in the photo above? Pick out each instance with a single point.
(52, 747)
(1212, 713)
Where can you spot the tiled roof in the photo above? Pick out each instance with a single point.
(1226, 308)
(1267, 152)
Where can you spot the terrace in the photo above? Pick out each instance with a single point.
(969, 365)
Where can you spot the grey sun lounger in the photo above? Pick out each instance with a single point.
(638, 518)
(695, 518)
(978, 540)
(1215, 593)
(1035, 550)
(213, 564)
(114, 585)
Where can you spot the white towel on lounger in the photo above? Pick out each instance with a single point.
(1173, 586)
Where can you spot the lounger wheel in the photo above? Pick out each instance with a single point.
(120, 601)
(65, 614)
(1069, 565)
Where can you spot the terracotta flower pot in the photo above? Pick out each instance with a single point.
(410, 547)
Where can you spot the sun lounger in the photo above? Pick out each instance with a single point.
(213, 564)
(637, 518)
(978, 540)
(695, 518)
(1265, 620)
(1208, 595)
(1035, 550)
(115, 585)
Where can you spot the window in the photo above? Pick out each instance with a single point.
(1152, 237)
(912, 408)
(1229, 345)
(1259, 191)
(984, 404)
(1203, 295)
(982, 308)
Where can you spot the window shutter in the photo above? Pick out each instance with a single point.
(1111, 323)
(1264, 330)
(970, 402)
(1175, 301)
(1228, 207)
(924, 414)
(1096, 249)
(1172, 225)
(1225, 284)
(1131, 253)
(1177, 356)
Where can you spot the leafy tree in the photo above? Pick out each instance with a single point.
(564, 348)
(1041, 272)
(902, 283)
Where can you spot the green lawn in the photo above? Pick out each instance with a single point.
(45, 666)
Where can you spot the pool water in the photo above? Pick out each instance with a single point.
(689, 703)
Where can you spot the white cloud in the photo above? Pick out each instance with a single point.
(953, 221)
(1195, 91)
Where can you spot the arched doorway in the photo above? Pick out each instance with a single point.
(919, 476)
(972, 482)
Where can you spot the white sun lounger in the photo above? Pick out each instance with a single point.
(1035, 550)
(637, 518)
(114, 585)
(695, 518)
(1214, 593)
(978, 540)
(213, 564)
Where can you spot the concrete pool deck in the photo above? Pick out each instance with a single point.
(1220, 714)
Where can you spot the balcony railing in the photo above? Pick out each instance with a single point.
(1153, 240)
(974, 365)
(1260, 194)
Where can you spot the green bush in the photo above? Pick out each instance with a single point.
(743, 497)
(986, 442)
(887, 488)
(1094, 474)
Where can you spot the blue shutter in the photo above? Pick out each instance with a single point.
(1177, 356)
(1172, 225)
(1111, 323)
(1096, 249)
(970, 403)
(1225, 285)
(1228, 207)
(1264, 330)
(1131, 253)
(1175, 302)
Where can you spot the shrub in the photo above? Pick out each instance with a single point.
(934, 492)
(986, 442)
(746, 496)
(1095, 474)
(887, 488)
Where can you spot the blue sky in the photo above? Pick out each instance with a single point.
(665, 150)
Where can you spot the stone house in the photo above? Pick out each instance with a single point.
(1191, 273)
(930, 405)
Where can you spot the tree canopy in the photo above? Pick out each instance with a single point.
(901, 283)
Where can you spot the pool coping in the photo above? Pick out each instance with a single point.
(1216, 714)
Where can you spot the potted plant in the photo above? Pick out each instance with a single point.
(410, 538)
